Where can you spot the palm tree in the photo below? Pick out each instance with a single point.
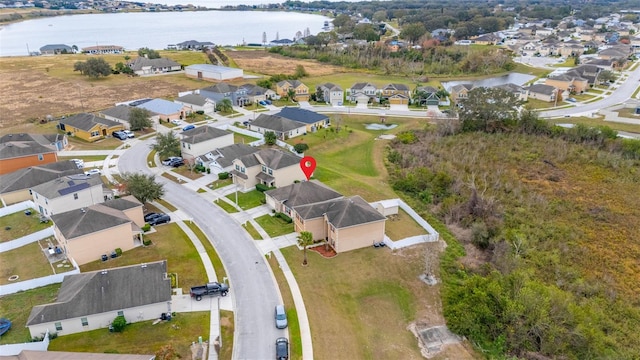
(305, 239)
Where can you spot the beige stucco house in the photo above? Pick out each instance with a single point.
(543, 92)
(69, 193)
(285, 199)
(203, 139)
(88, 233)
(15, 186)
(283, 128)
(345, 223)
(270, 167)
(92, 300)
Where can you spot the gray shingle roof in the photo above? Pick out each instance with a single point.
(427, 89)
(67, 355)
(32, 176)
(228, 153)
(86, 121)
(361, 85)
(276, 123)
(541, 89)
(330, 87)
(80, 222)
(301, 115)
(221, 88)
(161, 106)
(141, 62)
(65, 185)
(124, 203)
(202, 134)
(194, 99)
(106, 290)
(399, 87)
(254, 90)
(293, 83)
(303, 193)
(19, 145)
(276, 159)
(342, 213)
(121, 112)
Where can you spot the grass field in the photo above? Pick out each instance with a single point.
(274, 226)
(599, 121)
(213, 255)
(225, 206)
(243, 139)
(17, 308)
(247, 200)
(252, 231)
(401, 226)
(28, 262)
(17, 225)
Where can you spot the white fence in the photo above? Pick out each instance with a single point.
(15, 349)
(260, 136)
(28, 239)
(413, 240)
(35, 283)
(22, 206)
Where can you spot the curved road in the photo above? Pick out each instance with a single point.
(253, 289)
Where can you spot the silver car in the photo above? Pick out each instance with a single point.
(281, 317)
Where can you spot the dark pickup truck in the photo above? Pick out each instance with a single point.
(212, 288)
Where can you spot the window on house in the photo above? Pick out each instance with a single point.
(40, 157)
(95, 133)
(121, 313)
(270, 172)
(46, 201)
(85, 322)
(237, 168)
(242, 169)
(183, 145)
(58, 326)
(189, 146)
(264, 168)
(75, 196)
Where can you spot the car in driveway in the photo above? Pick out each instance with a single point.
(129, 133)
(176, 163)
(188, 127)
(281, 317)
(79, 163)
(161, 219)
(282, 348)
(148, 217)
(92, 172)
(120, 135)
(262, 102)
(176, 122)
(170, 159)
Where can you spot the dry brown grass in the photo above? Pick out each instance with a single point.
(263, 62)
(401, 226)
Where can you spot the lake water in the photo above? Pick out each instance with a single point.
(513, 78)
(216, 4)
(154, 30)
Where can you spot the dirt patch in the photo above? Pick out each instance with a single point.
(264, 62)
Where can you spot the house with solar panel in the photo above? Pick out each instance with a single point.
(68, 193)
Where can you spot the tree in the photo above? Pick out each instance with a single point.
(413, 32)
(270, 138)
(488, 109)
(94, 67)
(167, 145)
(142, 186)
(121, 67)
(606, 76)
(118, 324)
(291, 94)
(342, 20)
(300, 148)
(300, 72)
(224, 106)
(148, 53)
(305, 239)
(139, 118)
(74, 48)
(366, 32)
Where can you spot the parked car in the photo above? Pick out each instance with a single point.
(268, 102)
(129, 134)
(120, 135)
(281, 317)
(282, 348)
(571, 99)
(176, 163)
(161, 219)
(149, 216)
(176, 122)
(188, 127)
(262, 102)
(79, 163)
(92, 172)
(170, 159)
(245, 123)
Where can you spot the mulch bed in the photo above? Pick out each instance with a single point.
(328, 254)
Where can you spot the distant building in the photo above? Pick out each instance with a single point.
(103, 49)
(54, 49)
(212, 72)
(192, 45)
(144, 66)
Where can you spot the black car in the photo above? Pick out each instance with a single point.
(282, 348)
(161, 219)
(176, 162)
(149, 216)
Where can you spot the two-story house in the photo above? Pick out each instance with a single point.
(330, 93)
(15, 186)
(270, 167)
(460, 92)
(19, 151)
(300, 90)
(220, 91)
(89, 127)
(68, 193)
(363, 93)
(203, 139)
(221, 159)
(396, 94)
(257, 93)
(517, 90)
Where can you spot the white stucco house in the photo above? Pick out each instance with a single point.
(203, 139)
(69, 193)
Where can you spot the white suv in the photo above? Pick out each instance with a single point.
(129, 134)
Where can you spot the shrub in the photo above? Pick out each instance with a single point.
(223, 176)
(146, 242)
(300, 147)
(284, 217)
(118, 252)
(262, 187)
(146, 227)
(208, 170)
(200, 112)
(407, 137)
(119, 323)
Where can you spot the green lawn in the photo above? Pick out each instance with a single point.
(17, 307)
(243, 139)
(247, 200)
(401, 226)
(252, 231)
(220, 183)
(227, 326)
(27, 262)
(20, 225)
(84, 158)
(274, 226)
(180, 332)
(151, 159)
(226, 207)
(289, 305)
(597, 122)
(538, 104)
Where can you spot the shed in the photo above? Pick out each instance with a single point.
(387, 207)
(212, 72)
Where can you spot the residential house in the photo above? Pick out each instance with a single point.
(119, 113)
(285, 199)
(605, 64)
(202, 139)
(270, 167)
(529, 49)
(568, 49)
(196, 102)
(221, 159)
(345, 223)
(460, 92)
(164, 109)
(86, 234)
(396, 94)
(235, 94)
(257, 93)
(300, 90)
(615, 53)
(212, 72)
(15, 186)
(487, 39)
(312, 120)
(330, 94)
(543, 92)
(67, 355)
(544, 32)
(69, 193)
(92, 300)
(362, 91)
(194, 45)
(89, 127)
(55, 49)
(19, 151)
(426, 95)
(103, 49)
(283, 128)
(281, 42)
(517, 90)
(144, 66)
(569, 81)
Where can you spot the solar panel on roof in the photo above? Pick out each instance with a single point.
(73, 188)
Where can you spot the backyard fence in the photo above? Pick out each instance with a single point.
(35, 283)
(28, 239)
(22, 206)
(15, 349)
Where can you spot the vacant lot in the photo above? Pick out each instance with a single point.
(263, 62)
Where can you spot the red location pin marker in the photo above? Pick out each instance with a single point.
(308, 165)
